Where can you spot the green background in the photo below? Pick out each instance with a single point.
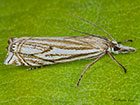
(104, 83)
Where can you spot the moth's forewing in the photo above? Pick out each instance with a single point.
(38, 51)
(11, 59)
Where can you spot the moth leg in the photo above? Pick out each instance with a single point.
(116, 61)
(36, 67)
(125, 41)
(89, 67)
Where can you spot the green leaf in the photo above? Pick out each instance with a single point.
(104, 83)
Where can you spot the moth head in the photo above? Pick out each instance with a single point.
(10, 43)
(117, 48)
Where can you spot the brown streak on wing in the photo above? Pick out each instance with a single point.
(58, 55)
(35, 45)
(35, 62)
(75, 56)
(18, 58)
(47, 50)
(62, 41)
(24, 60)
(14, 62)
(10, 58)
(64, 47)
(42, 50)
(31, 47)
(21, 45)
(85, 43)
(32, 56)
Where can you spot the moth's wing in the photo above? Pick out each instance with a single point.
(40, 45)
(52, 50)
(36, 59)
(31, 51)
(17, 59)
(14, 59)
(20, 54)
(39, 51)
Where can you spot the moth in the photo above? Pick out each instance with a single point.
(42, 51)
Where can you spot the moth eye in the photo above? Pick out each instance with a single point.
(116, 48)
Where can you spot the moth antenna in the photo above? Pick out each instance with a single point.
(125, 41)
(93, 25)
(79, 31)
